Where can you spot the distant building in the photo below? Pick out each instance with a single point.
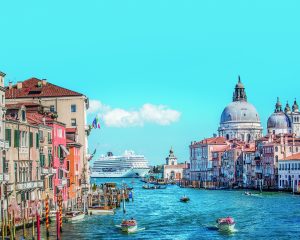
(289, 173)
(240, 119)
(173, 170)
(285, 122)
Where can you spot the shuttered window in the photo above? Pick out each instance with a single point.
(8, 136)
(31, 139)
(17, 138)
(37, 140)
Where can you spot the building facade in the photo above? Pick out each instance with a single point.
(70, 107)
(289, 173)
(172, 170)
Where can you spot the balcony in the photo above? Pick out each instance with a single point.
(49, 141)
(25, 186)
(42, 139)
(5, 177)
(52, 171)
(6, 145)
(45, 171)
(64, 182)
(23, 150)
(258, 170)
(40, 184)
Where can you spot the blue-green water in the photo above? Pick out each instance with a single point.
(270, 216)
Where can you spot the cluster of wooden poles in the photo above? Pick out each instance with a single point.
(9, 226)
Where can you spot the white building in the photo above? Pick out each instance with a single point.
(173, 170)
(240, 120)
(289, 173)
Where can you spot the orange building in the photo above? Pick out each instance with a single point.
(74, 168)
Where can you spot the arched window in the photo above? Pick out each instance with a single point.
(276, 149)
(248, 138)
(229, 118)
(227, 136)
(276, 158)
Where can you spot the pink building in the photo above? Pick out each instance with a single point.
(59, 153)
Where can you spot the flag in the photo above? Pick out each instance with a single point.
(96, 123)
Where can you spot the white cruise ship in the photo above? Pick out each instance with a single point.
(126, 166)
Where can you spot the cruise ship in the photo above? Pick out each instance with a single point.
(126, 166)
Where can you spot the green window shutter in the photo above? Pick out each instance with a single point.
(37, 140)
(17, 138)
(31, 139)
(8, 136)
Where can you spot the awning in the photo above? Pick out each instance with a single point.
(64, 149)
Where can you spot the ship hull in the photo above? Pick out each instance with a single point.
(130, 173)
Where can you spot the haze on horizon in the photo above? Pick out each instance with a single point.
(159, 74)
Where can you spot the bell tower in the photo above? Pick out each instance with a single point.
(171, 159)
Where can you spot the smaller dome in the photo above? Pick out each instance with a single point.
(279, 120)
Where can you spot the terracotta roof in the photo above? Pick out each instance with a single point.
(36, 118)
(30, 89)
(293, 157)
(220, 148)
(213, 140)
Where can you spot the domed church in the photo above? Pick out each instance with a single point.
(240, 119)
(287, 121)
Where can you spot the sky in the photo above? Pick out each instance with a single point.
(157, 72)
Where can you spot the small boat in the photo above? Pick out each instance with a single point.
(101, 210)
(184, 199)
(248, 193)
(129, 188)
(129, 226)
(74, 216)
(226, 224)
(160, 187)
(52, 216)
(148, 187)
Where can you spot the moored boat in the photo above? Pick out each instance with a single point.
(74, 216)
(226, 224)
(101, 210)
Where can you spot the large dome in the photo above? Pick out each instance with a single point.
(240, 111)
(279, 120)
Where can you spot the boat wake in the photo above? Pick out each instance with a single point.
(138, 230)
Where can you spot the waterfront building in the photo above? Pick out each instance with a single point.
(36, 118)
(70, 107)
(74, 167)
(4, 176)
(248, 165)
(201, 159)
(22, 160)
(217, 155)
(173, 170)
(240, 119)
(289, 173)
(231, 172)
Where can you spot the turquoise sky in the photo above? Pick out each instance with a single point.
(185, 55)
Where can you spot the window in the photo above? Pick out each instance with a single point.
(52, 109)
(68, 165)
(73, 122)
(31, 139)
(23, 116)
(8, 136)
(73, 108)
(59, 133)
(276, 149)
(16, 138)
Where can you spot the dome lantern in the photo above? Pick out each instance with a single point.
(287, 108)
(278, 106)
(239, 93)
(295, 106)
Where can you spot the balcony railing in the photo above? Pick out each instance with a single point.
(23, 149)
(50, 141)
(6, 145)
(40, 184)
(26, 185)
(45, 171)
(52, 171)
(64, 182)
(5, 177)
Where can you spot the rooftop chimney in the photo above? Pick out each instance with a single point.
(10, 85)
(44, 82)
(19, 85)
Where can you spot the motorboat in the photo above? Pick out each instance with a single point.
(184, 199)
(248, 193)
(226, 224)
(101, 210)
(129, 226)
(52, 215)
(74, 216)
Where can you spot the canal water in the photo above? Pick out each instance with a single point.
(266, 216)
